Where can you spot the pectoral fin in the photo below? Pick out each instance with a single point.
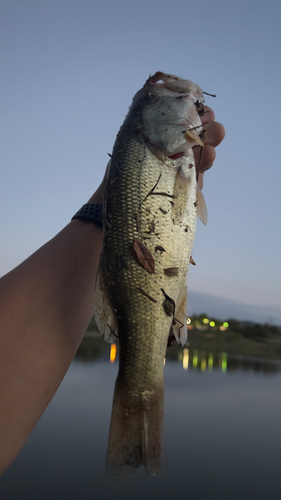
(202, 213)
(181, 191)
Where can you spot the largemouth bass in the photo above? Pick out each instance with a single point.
(150, 210)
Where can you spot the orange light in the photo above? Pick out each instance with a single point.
(113, 350)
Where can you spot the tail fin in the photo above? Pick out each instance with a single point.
(135, 431)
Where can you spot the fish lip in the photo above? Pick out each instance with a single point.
(159, 75)
(176, 86)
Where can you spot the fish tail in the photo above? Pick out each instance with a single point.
(135, 431)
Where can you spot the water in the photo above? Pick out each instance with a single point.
(221, 435)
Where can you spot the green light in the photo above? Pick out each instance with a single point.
(212, 324)
(188, 321)
(225, 324)
(195, 360)
(224, 362)
(203, 365)
(206, 321)
(210, 362)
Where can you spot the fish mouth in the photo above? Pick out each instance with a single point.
(176, 85)
(177, 155)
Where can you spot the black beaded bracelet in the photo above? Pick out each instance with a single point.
(90, 212)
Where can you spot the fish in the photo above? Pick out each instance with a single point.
(150, 208)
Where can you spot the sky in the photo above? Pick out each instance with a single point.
(69, 70)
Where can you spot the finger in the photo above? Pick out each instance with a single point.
(204, 157)
(208, 115)
(214, 133)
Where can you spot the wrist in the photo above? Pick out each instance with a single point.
(90, 212)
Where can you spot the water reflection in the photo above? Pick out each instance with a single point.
(113, 352)
(136, 424)
(93, 348)
(203, 361)
(220, 434)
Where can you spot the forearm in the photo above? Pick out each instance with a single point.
(46, 304)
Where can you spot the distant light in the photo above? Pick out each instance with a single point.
(206, 321)
(225, 324)
(212, 324)
(195, 359)
(185, 359)
(203, 365)
(113, 350)
(224, 362)
(222, 328)
(188, 321)
(210, 361)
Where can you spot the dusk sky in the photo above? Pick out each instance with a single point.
(69, 70)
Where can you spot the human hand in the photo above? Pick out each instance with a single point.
(213, 136)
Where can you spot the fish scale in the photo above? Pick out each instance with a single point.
(142, 324)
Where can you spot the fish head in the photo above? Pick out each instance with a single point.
(170, 108)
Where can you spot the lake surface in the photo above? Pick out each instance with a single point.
(221, 435)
